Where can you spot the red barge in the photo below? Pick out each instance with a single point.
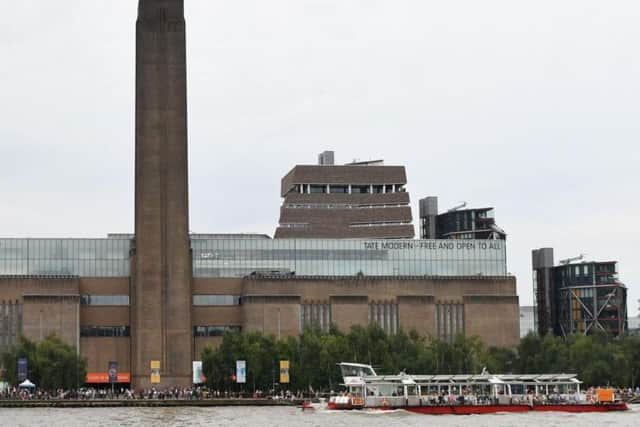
(468, 394)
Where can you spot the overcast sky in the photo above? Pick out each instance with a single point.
(530, 107)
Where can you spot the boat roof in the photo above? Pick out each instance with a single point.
(487, 378)
(360, 365)
(484, 378)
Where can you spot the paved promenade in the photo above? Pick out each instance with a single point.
(108, 403)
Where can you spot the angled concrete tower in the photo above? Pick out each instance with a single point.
(161, 263)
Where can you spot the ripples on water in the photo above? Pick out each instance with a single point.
(277, 416)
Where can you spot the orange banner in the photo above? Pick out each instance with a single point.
(103, 377)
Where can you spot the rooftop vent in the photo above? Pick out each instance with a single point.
(326, 158)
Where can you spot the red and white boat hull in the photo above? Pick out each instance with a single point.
(490, 409)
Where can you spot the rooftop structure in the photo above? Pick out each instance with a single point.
(357, 200)
(458, 222)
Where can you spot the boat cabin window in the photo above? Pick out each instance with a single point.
(517, 389)
(355, 371)
(481, 389)
(355, 391)
(412, 390)
(501, 389)
(384, 389)
(562, 388)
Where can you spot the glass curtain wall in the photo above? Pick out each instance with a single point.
(73, 257)
(243, 257)
(315, 257)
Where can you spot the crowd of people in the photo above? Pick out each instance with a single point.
(629, 393)
(199, 393)
(119, 393)
(464, 396)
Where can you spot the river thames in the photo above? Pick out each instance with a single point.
(277, 416)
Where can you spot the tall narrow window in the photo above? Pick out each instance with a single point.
(315, 315)
(449, 320)
(385, 315)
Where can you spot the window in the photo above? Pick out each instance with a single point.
(104, 300)
(10, 323)
(214, 331)
(360, 189)
(378, 188)
(384, 314)
(379, 224)
(293, 225)
(388, 188)
(318, 188)
(315, 316)
(339, 189)
(104, 331)
(449, 320)
(205, 300)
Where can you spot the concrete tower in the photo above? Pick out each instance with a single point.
(161, 262)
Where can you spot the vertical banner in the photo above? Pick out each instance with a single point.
(198, 374)
(113, 372)
(284, 372)
(241, 371)
(22, 369)
(155, 372)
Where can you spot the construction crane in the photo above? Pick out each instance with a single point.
(570, 260)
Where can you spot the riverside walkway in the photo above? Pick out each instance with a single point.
(110, 403)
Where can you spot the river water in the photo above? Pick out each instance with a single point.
(278, 416)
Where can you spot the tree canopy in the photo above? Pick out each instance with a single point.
(598, 359)
(51, 363)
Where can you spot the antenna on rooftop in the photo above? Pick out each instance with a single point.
(457, 207)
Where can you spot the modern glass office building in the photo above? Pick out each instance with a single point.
(577, 297)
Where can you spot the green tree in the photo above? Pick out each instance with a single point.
(52, 363)
(529, 353)
(500, 360)
(598, 359)
(629, 348)
(546, 354)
